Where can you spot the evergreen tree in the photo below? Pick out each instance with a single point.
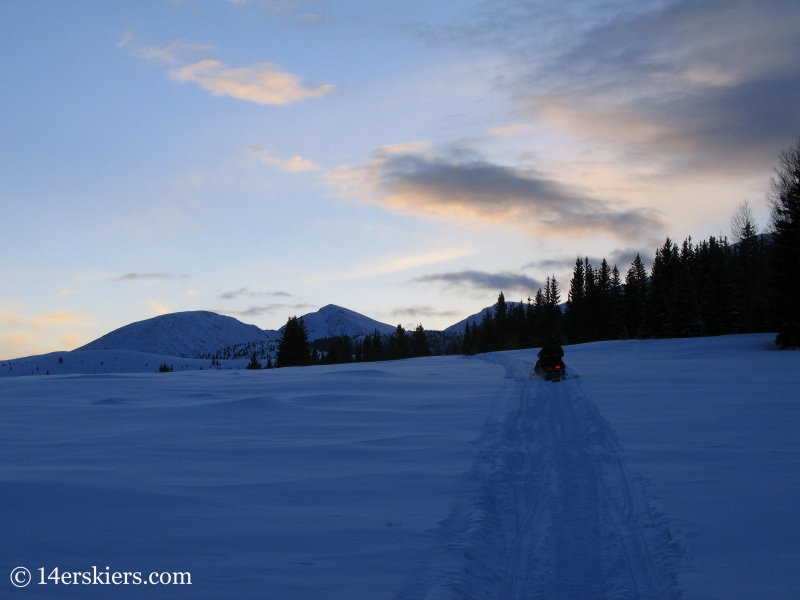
(253, 364)
(467, 342)
(616, 315)
(663, 278)
(419, 342)
(575, 314)
(500, 322)
(715, 291)
(398, 346)
(517, 329)
(340, 350)
(785, 246)
(635, 298)
(749, 271)
(486, 340)
(293, 347)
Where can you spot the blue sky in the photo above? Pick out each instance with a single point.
(406, 160)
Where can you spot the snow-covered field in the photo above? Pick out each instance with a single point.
(665, 467)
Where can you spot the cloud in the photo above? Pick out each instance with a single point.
(148, 276)
(423, 311)
(67, 292)
(263, 83)
(699, 86)
(296, 164)
(248, 292)
(513, 129)
(622, 257)
(468, 187)
(22, 333)
(157, 307)
(505, 281)
(266, 309)
(127, 38)
(404, 148)
(174, 52)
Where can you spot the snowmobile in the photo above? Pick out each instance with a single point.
(550, 365)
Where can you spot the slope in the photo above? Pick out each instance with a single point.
(332, 320)
(182, 334)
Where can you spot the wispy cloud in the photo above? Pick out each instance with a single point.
(127, 38)
(403, 148)
(503, 281)
(148, 276)
(266, 309)
(423, 311)
(512, 129)
(622, 257)
(67, 292)
(296, 164)
(467, 186)
(263, 83)
(174, 52)
(250, 293)
(684, 86)
(22, 333)
(157, 307)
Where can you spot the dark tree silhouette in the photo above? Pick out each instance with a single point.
(293, 346)
(785, 255)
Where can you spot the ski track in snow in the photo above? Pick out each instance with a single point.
(551, 510)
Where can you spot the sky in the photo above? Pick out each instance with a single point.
(408, 160)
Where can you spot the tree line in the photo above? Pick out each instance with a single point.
(711, 287)
(693, 289)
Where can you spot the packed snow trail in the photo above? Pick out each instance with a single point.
(552, 510)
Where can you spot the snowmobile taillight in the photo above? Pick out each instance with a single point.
(557, 367)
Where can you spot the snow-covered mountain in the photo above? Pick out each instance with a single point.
(332, 320)
(477, 318)
(184, 334)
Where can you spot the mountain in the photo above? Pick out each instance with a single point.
(477, 318)
(332, 320)
(184, 334)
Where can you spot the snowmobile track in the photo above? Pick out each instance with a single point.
(551, 511)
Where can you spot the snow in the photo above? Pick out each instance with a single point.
(332, 320)
(659, 468)
(98, 362)
(183, 334)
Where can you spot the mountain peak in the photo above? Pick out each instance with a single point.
(185, 334)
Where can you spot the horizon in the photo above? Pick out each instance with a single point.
(259, 159)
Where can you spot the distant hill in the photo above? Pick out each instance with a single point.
(477, 318)
(193, 333)
(332, 320)
(184, 334)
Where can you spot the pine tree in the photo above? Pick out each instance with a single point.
(293, 346)
(635, 298)
(749, 271)
(785, 247)
(487, 340)
(663, 278)
(253, 364)
(398, 346)
(419, 342)
(500, 323)
(616, 315)
(575, 314)
(516, 336)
